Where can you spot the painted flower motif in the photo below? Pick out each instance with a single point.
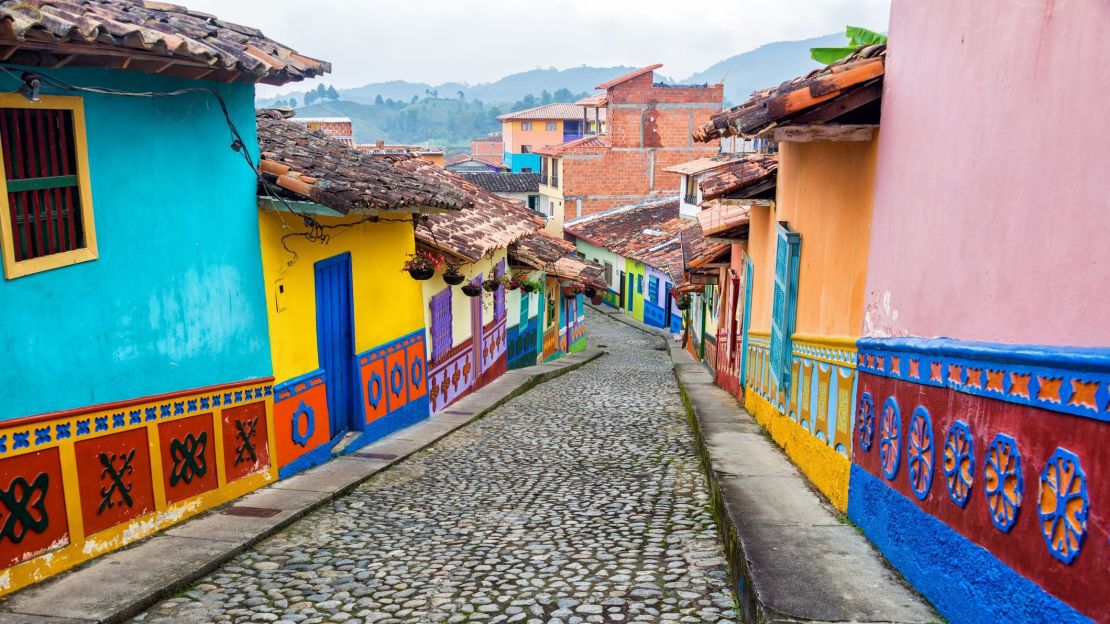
(920, 453)
(890, 438)
(959, 462)
(865, 419)
(1063, 505)
(1004, 482)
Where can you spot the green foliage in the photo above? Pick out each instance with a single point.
(857, 38)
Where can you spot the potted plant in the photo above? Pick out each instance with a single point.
(572, 290)
(514, 282)
(596, 299)
(452, 276)
(589, 291)
(530, 285)
(471, 290)
(683, 302)
(422, 265)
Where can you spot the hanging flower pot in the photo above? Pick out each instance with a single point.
(472, 290)
(491, 285)
(452, 276)
(526, 287)
(590, 292)
(596, 300)
(422, 265)
(683, 302)
(572, 290)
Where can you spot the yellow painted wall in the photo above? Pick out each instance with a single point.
(825, 468)
(387, 301)
(439, 160)
(824, 193)
(537, 137)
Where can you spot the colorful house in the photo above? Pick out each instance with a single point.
(523, 188)
(468, 335)
(491, 146)
(727, 196)
(525, 131)
(465, 163)
(808, 258)
(969, 414)
(640, 249)
(138, 379)
(346, 324)
(647, 131)
(550, 321)
(690, 175)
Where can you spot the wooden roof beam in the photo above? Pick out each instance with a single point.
(812, 133)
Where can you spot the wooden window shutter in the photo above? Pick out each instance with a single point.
(785, 305)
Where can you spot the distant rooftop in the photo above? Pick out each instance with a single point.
(547, 111)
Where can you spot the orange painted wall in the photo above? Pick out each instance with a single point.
(824, 193)
(537, 137)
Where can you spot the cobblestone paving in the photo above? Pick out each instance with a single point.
(580, 501)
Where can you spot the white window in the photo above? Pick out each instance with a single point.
(551, 126)
(526, 126)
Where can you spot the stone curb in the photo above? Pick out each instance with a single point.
(109, 589)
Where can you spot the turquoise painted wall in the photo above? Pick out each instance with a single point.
(517, 162)
(175, 299)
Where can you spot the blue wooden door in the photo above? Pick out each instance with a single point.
(335, 339)
(668, 303)
(631, 289)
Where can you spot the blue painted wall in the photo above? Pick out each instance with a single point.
(518, 162)
(523, 344)
(963, 580)
(175, 300)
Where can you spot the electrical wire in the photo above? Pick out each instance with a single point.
(317, 231)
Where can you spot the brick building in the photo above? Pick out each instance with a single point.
(648, 130)
(339, 128)
(491, 146)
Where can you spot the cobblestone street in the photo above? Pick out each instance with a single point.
(579, 501)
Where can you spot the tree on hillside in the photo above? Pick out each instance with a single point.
(292, 102)
(309, 98)
(414, 98)
(462, 96)
(321, 92)
(563, 95)
(378, 100)
(332, 93)
(545, 97)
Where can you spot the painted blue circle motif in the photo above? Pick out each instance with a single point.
(890, 438)
(1063, 505)
(306, 412)
(920, 453)
(865, 421)
(396, 378)
(374, 389)
(959, 462)
(1003, 481)
(416, 371)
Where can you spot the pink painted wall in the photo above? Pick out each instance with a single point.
(992, 201)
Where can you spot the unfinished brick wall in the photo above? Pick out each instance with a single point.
(649, 129)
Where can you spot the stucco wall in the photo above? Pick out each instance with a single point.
(990, 198)
(175, 299)
(387, 301)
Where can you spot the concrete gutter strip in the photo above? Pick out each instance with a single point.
(792, 557)
(121, 584)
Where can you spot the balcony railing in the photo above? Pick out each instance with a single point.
(572, 136)
(554, 181)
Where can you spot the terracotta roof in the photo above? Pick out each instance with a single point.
(697, 251)
(633, 230)
(481, 158)
(629, 76)
(724, 220)
(594, 141)
(505, 182)
(598, 100)
(557, 257)
(778, 105)
(307, 120)
(152, 34)
(738, 175)
(376, 148)
(701, 165)
(327, 172)
(491, 223)
(547, 111)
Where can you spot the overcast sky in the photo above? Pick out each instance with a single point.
(476, 41)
